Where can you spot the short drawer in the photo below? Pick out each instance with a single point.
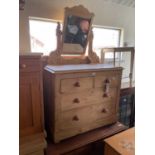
(76, 84)
(85, 98)
(101, 96)
(112, 79)
(29, 65)
(102, 111)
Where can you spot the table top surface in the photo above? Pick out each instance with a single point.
(81, 67)
(123, 142)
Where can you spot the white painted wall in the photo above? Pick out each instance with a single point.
(106, 14)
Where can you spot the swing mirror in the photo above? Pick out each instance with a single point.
(76, 29)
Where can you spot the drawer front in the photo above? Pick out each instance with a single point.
(76, 84)
(102, 111)
(69, 132)
(80, 120)
(86, 98)
(76, 118)
(76, 100)
(112, 78)
(29, 65)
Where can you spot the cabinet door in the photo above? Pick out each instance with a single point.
(29, 105)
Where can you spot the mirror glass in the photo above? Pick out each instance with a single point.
(77, 25)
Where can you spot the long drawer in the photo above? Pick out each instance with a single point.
(75, 130)
(82, 116)
(79, 120)
(82, 83)
(86, 98)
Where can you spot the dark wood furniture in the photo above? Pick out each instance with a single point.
(89, 143)
(21, 4)
(31, 120)
(127, 106)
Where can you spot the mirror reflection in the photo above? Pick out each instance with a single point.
(77, 30)
(76, 33)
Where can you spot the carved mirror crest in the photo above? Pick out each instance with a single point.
(76, 29)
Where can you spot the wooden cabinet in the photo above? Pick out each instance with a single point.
(79, 98)
(31, 120)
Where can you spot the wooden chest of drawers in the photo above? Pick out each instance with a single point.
(79, 98)
(31, 119)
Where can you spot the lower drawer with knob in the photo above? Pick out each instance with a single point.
(86, 98)
(80, 120)
(86, 115)
(102, 111)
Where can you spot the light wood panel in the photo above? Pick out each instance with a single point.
(81, 141)
(78, 100)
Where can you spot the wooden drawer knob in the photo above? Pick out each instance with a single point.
(77, 84)
(107, 80)
(104, 110)
(75, 118)
(23, 66)
(76, 100)
(105, 95)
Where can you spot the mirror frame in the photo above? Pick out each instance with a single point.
(81, 13)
